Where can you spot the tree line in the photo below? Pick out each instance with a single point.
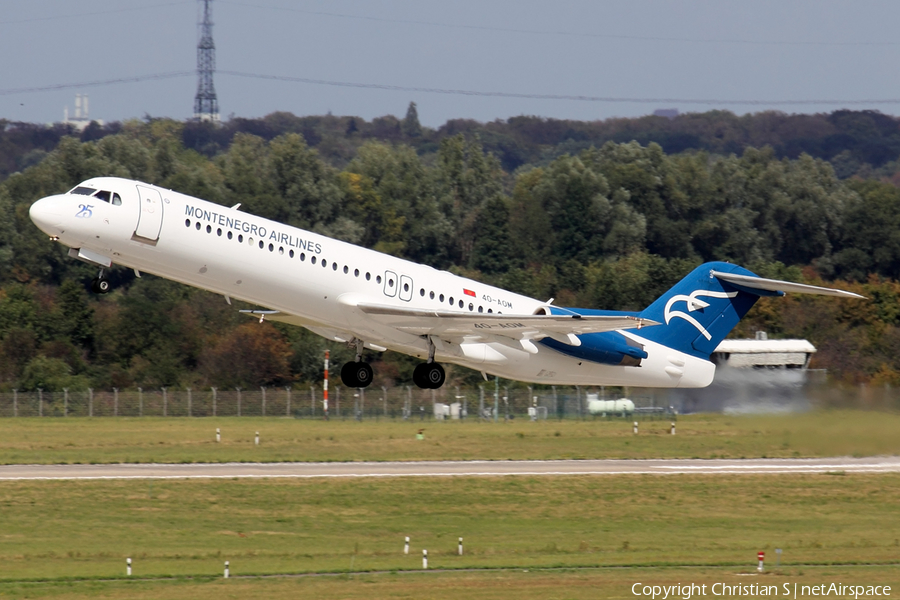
(608, 226)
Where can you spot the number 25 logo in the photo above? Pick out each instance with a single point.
(85, 212)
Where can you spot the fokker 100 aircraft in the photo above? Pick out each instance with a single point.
(351, 294)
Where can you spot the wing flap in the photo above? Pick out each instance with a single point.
(520, 327)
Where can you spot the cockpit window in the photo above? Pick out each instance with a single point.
(101, 195)
(84, 191)
(117, 199)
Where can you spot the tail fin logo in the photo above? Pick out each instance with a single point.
(693, 303)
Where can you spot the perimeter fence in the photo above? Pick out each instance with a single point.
(411, 403)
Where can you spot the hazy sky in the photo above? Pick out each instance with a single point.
(654, 50)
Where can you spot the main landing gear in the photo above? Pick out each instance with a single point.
(356, 373)
(429, 375)
(100, 284)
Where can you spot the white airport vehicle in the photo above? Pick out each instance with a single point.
(351, 294)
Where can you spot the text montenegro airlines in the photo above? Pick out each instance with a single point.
(251, 228)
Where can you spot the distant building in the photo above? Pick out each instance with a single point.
(81, 118)
(669, 113)
(753, 376)
(763, 353)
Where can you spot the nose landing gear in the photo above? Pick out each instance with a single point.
(100, 284)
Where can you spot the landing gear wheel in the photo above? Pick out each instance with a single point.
(363, 374)
(429, 376)
(100, 285)
(356, 374)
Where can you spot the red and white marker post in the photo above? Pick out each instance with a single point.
(325, 387)
(761, 556)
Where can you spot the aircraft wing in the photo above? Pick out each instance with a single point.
(491, 326)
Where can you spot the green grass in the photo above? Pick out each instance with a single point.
(189, 528)
(153, 439)
(515, 584)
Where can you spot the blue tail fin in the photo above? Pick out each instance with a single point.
(700, 310)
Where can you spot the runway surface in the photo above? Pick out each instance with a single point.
(451, 468)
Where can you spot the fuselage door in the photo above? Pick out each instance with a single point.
(151, 215)
(406, 288)
(390, 284)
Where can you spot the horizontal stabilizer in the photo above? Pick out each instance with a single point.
(774, 285)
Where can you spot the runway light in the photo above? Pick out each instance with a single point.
(128, 567)
(634, 428)
(226, 569)
(257, 439)
(424, 558)
(218, 435)
(406, 546)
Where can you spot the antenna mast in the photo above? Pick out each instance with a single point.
(206, 105)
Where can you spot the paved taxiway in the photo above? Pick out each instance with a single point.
(451, 468)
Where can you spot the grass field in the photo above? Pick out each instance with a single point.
(577, 537)
(519, 584)
(56, 529)
(153, 439)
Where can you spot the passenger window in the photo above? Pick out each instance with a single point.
(101, 195)
(116, 199)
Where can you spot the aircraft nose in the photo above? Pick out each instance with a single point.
(46, 214)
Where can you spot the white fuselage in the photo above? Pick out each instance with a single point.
(320, 281)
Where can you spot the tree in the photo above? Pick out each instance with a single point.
(411, 127)
(492, 251)
(251, 355)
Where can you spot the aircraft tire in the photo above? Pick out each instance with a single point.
(419, 377)
(100, 286)
(348, 375)
(435, 376)
(362, 373)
